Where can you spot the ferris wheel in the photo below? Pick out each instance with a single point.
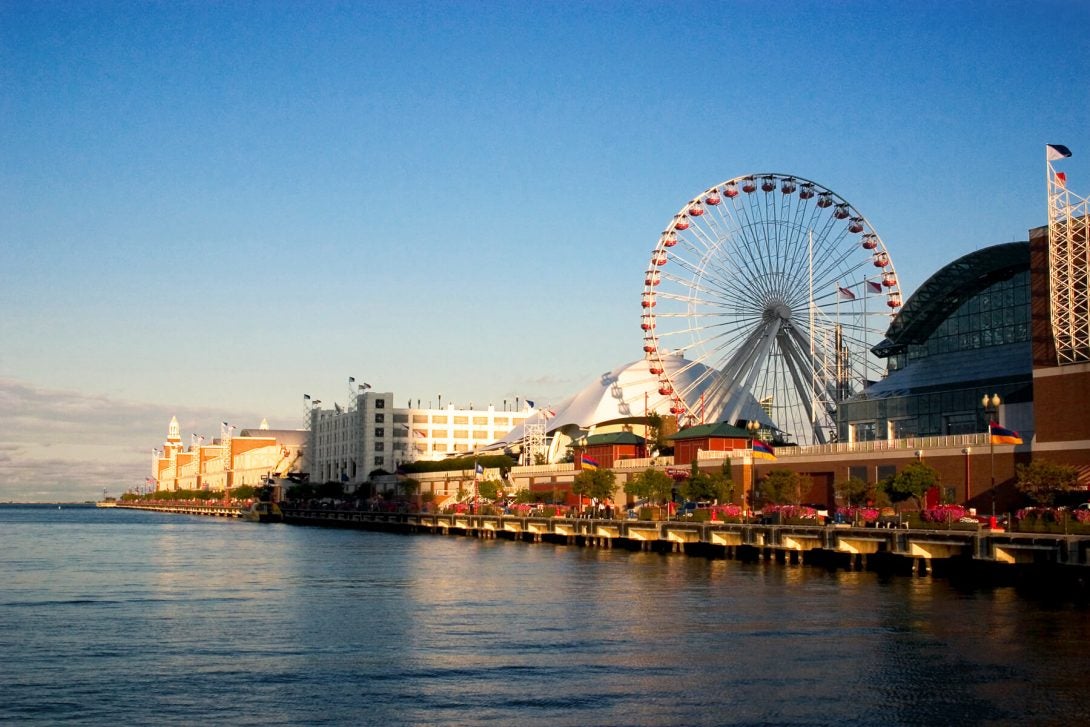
(775, 289)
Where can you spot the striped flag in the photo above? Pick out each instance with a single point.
(1056, 151)
(1001, 435)
(588, 463)
(845, 293)
(874, 286)
(763, 451)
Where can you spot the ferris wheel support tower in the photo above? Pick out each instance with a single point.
(1068, 263)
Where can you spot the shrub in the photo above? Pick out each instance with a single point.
(943, 514)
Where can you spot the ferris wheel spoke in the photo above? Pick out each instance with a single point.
(737, 257)
(803, 379)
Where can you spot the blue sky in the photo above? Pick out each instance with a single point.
(212, 209)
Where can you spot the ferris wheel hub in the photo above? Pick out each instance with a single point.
(777, 310)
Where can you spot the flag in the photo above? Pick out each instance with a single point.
(762, 450)
(1056, 151)
(845, 293)
(365, 386)
(351, 379)
(478, 470)
(1061, 178)
(549, 413)
(420, 433)
(874, 286)
(588, 463)
(1001, 435)
(529, 403)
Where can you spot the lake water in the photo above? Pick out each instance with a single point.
(114, 616)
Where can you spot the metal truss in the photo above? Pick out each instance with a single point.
(1068, 270)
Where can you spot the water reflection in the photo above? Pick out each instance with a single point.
(343, 626)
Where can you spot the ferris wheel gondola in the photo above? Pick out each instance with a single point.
(780, 287)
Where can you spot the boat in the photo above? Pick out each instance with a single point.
(262, 512)
(106, 503)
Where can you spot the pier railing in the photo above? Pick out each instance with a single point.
(780, 541)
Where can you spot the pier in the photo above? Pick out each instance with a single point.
(834, 545)
(185, 509)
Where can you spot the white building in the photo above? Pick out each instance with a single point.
(346, 444)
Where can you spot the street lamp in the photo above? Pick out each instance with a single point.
(752, 426)
(968, 475)
(991, 407)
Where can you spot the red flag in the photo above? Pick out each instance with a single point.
(1061, 178)
(875, 287)
(845, 293)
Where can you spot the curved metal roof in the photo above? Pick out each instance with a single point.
(946, 290)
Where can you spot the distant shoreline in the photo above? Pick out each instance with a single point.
(81, 503)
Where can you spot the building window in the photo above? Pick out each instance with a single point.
(380, 460)
(865, 432)
(379, 418)
(480, 421)
(380, 431)
(903, 428)
(503, 422)
(461, 420)
(858, 473)
(439, 419)
(380, 403)
(380, 446)
(461, 434)
(420, 418)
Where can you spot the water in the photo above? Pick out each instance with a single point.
(110, 616)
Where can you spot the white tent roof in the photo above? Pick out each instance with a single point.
(631, 391)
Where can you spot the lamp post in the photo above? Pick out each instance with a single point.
(991, 407)
(968, 475)
(752, 426)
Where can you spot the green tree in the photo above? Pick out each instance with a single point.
(489, 489)
(331, 489)
(651, 484)
(855, 491)
(781, 487)
(244, 492)
(300, 491)
(656, 436)
(408, 486)
(707, 486)
(912, 482)
(598, 483)
(1042, 480)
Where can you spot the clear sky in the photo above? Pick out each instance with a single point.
(211, 209)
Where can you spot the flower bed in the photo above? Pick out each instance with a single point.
(864, 515)
(1052, 520)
